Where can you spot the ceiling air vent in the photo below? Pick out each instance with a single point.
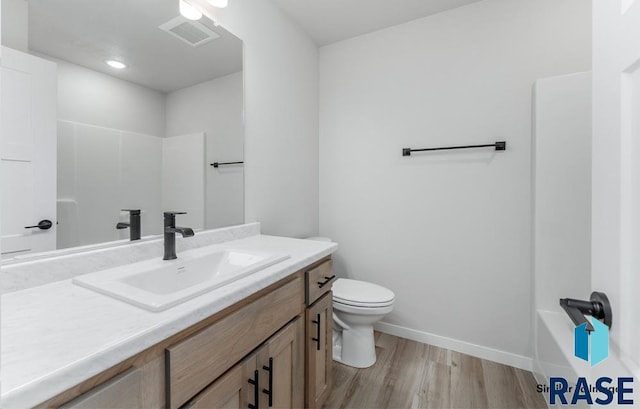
(191, 32)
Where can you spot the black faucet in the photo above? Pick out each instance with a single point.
(134, 224)
(170, 231)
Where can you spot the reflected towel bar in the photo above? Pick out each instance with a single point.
(218, 164)
(500, 146)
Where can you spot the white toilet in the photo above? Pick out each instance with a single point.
(357, 306)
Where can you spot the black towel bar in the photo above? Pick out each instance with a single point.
(500, 146)
(218, 164)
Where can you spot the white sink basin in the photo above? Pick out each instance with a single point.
(157, 284)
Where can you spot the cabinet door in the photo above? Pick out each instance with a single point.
(319, 351)
(281, 366)
(234, 390)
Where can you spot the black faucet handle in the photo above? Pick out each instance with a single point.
(133, 212)
(173, 213)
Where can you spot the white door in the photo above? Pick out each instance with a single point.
(616, 171)
(27, 153)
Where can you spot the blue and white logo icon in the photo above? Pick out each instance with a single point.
(591, 344)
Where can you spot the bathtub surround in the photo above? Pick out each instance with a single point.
(448, 232)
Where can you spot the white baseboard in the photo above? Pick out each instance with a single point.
(490, 354)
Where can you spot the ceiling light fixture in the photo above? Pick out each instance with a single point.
(116, 64)
(219, 3)
(188, 11)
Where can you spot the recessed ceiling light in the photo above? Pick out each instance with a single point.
(219, 3)
(188, 11)
(116, 64)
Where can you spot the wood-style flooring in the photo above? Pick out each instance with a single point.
(410, 374)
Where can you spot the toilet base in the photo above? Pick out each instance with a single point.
(355, 346)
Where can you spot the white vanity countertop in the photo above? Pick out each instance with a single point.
(58, 335)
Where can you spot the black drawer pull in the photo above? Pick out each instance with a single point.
(256, 391)
(326, 281)
(317, 339)
(269, 392)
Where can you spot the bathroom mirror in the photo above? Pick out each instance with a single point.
(146, 101)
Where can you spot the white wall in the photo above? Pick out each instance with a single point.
(562, 189)
(281, 117)
(15, 24)
(448, 232)
(90, 97)
(215, 107)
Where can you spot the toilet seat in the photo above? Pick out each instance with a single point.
(363, 311)
(362, 304)
(361, 294)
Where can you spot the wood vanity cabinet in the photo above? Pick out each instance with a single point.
(123, 391)
(270, 350)
(272, 376)
(193, 363)
(319, 333)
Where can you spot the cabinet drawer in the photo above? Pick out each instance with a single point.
(319, 281)
(197, 361)
(121, 392)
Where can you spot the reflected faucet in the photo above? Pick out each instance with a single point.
(133, 225)
(170, 231)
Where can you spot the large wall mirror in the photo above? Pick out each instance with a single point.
(111, 105)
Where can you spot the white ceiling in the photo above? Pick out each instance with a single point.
(88, 32)
(328, 21)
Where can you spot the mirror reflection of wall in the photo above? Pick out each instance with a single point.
(141, 137)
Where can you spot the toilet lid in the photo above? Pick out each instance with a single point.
(361, 293)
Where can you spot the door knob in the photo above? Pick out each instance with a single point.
(42, 225)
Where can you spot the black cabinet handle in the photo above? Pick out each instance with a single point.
(269, 392)
(326, 281)
(317, 339)
(256, 393)
(42, 225)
